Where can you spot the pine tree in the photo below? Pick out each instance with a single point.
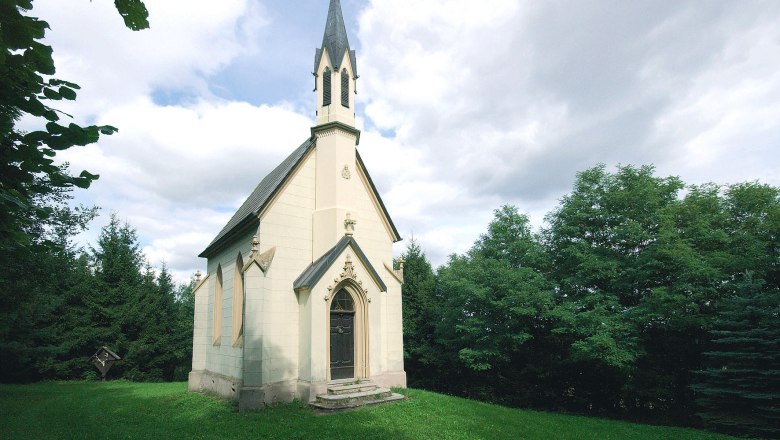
(739, 391)
(112, 301)
(185, 310)
(419, 320)
(151, 352)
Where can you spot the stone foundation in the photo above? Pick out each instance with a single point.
(252, 398)
(258, 397)
(213, 383)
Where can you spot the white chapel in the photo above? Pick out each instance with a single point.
(300, 299)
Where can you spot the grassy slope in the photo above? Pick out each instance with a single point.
(122, 410)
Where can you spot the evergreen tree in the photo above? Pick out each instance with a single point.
(118, 277)
(739, 391)
(79, 338)
(33, 278)
(151, 351)
(420, 314)
(185, 312)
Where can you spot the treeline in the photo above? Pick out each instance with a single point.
(640, 298)
(61, 304)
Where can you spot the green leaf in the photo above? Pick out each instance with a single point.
(55, 128)
(40, 55)
(60, 82)
(34, 107)
(134, 13)
(51, 94)
(9, 198)
(85, 179)
(107, 129)
(51, 115)
(35, 137)
(67, 93)
(87, 175)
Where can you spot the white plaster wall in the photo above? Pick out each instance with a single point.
(200, 326)
(287, 225)
(370, 231)
(304, 335)
(335, 194)
(224, 358)
(254, 285)
(394, 328)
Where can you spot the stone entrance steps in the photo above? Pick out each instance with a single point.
(353, 393)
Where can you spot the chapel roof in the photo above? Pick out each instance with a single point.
(312, 274)
(335, 40)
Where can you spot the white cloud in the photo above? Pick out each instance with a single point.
(187, 41)
(506, 102)
(174, 172)
(468, 105)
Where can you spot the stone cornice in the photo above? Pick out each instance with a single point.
(323, 129)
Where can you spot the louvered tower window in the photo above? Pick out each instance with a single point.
(345, 88)
(326, 87)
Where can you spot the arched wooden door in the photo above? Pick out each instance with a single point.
(342, 336)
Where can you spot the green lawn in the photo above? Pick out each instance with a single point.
(124, 410)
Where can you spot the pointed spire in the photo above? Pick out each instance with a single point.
(335, 39)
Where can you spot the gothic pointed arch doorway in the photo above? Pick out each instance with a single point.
(347, 334)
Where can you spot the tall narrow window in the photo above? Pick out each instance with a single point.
(345, 88)
(238, 302)
(218, 307)
(326, 77)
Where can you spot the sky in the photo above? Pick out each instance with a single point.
(464, 106)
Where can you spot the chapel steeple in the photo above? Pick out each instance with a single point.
(335, 72)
